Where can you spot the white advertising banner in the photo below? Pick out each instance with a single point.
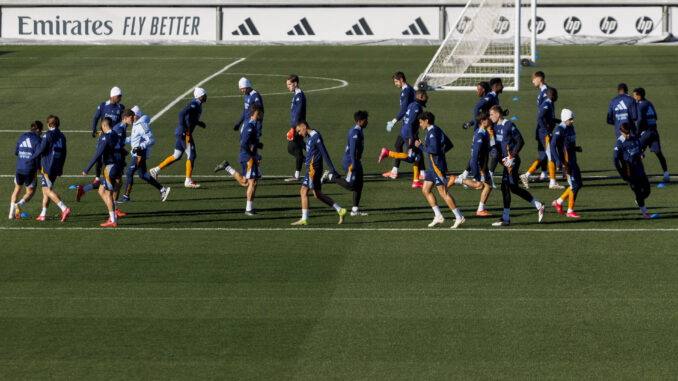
(109, 24)
(673, 20)
(329, 24)
(614, 22)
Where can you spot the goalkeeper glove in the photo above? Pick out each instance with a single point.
(508, 161)
(290, 134)
(389, 125)
(236, 127)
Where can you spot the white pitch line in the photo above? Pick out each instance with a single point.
(119, 58)
(181, 97)
(342, 82)
(65, 132)
(447, 231)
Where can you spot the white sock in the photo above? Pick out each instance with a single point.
(570, 210)
(536, 203)
(296, 174)
(394, 170)
(97, 179)
(507, 214)
(336, 207)
(354, 209)
(457, 214)
(459, 180)
(491, 175)
(21, 203)
(552, 182)
(156, 169)
(481, 206)
(230, 170)
(464, 174)
(560, 201)
(189, 179)
(12, 208)
(249, 206)
(44, 212)
(304, 214)
(436, 211)
(543, 175)
(111, 216)
(527, 175)
(163, 190)
(643, 209)
(62, 206)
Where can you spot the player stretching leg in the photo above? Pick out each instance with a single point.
(479, 159)
(434, 148)
(315, 153)
(189, 118)
(628, 161)
(511, 142)
(408, 134)
(407, 96)
(26, 169)
(249, 156)
(565, 144)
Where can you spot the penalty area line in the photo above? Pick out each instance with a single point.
(181, 97)
(447, 231)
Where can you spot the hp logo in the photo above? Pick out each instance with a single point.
(572, 25)
(644, 25)
(608, 25)
(503, 25)
(541, 25)
(465, 25)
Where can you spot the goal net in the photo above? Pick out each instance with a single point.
(484, 42)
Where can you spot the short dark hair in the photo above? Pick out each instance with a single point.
(255, 107)
(360, 115)
(482, 115)
(485, 85)
(640, 91)
(300, 122)
(622, 86)
(539, 74)
(399, 75)
(496, 81)
(625, 128)
(53, 121)
(293, 78)
(427, 115)
(126, 113)
(552, 94)
(36, 125)
(108, 121)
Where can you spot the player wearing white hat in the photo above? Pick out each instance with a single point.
(111, 108)
(252, 97)
(564, 141)
(189, 118)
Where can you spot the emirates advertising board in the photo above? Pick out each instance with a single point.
(330, 24)
(109, 23)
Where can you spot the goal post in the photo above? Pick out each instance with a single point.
(484, 42)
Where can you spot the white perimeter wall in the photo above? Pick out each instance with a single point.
(303, 24)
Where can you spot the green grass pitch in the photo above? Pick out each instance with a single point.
(194, 289)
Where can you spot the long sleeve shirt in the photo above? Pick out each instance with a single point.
(316, 152)
(546, 119)
(565, 142)
(52, 152)
(480, 150)
(508, 138)
(141, 136)
(407, 96)
(249, 141)
(253, 98)
(298, 108)
(188, 118)
(107, 151)
(434, 146)
(622, 109)
(647, 116)
(485, 103)
(410, 121)
(355, 144)
(26, 146)
(627, 158)
(107, 109)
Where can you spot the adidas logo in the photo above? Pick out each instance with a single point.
(620, 107)
(26, 144)
(416, 28)
(360, 28)
(650, 111)
(302, 29)
(245, 29)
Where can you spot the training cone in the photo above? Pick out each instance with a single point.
(516, 99)
(24, 215)
(661, 185)
(73, 187)
(655, 216)
(514, 118)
